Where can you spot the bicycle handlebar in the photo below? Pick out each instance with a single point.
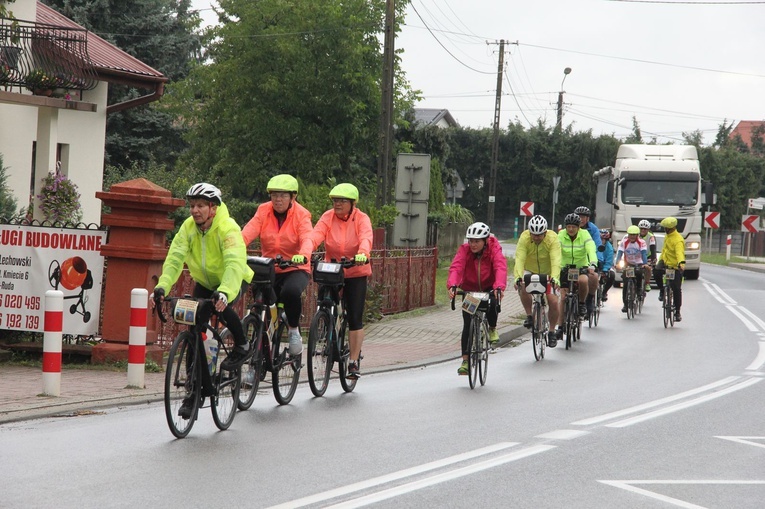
(462, 292)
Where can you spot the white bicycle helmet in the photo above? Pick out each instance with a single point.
(537, 225)
(644, 223)
(205, 191)
(477, 231)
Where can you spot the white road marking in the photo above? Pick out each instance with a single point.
(754, 317)
(684, 405)
(440, 478)
(651, 404)
(718, 294)
(759, 360)
(749, 325)
(394, 476)
(562, 434)
(746, 440)
(628, 486)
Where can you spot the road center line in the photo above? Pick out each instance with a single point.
(652, 404)
(754, 317)
(684, 405)
(394, 476)
(440, 478)
(749, 325)
(759, 360)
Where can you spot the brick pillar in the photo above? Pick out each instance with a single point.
(138, 224)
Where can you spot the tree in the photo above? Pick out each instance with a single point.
(8, 203)
(635, 136)
(290, 87)
(161, 33)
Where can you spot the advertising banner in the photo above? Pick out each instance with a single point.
(35, 259)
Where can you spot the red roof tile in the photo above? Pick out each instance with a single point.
(106, 57)
(744, 129)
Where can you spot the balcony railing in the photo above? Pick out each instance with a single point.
(44, 57)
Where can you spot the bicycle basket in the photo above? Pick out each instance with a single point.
(535, 283)
(185, 311)
(265, 272)
(327, 273)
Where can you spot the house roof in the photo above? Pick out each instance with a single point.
(744, 129)
(110, 63)
(432, 116)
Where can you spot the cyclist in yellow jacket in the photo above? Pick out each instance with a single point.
(538, 252)
(672, 257)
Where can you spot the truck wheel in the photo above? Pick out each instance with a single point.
(692, 274)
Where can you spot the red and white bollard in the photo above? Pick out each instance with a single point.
(137, 338)
(727, 247)
(53, 337)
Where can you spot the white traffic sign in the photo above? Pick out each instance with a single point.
(527, 208)
(756, 203)
(750, 224)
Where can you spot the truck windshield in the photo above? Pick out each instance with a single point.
(659, 192)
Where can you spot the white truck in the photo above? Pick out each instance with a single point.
(653, 182)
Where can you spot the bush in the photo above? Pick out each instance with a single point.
(60, 200)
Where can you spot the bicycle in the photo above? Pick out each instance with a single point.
(630, 277)
(476, 304)
(187, 376)
(668, 305)
(536, 285)
(572, 321)
(594, 316)
(327, 341)
(265, 327)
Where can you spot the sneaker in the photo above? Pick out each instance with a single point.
(296, 343)
(661, 297)
(559, 334)
(624, 309)
(463, 369)
(582, 309)
(235, 359)
(186, 408)
(493, 337)
(552, 341)
(647, 288)
(604, 297)
(353, 370)
(678, 318)
(528, 322)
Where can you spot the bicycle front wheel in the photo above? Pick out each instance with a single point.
(344, 348)
(319, 352)
(483, 364)
(666, 306)
(286, 372)
(473, 341)
(182, 381)
(670, 307)
(226, 398)
(537, 335)
(630, 299)
(252, 370)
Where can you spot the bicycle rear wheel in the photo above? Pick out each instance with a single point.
(537, 334)
(570, 320)
(343, 347)
(319, 352)
(286, 372)
(630, 298)
(226, 399)
(252, 370)
(483, 364)
(670, 306)
(182, 380)
(474, 341)
(666, 305)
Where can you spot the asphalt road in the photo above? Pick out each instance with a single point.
(635, 415)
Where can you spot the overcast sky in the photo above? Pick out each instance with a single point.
(677, 66)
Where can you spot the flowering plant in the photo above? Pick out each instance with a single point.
(59, 199)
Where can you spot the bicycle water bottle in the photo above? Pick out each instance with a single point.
(211, 352)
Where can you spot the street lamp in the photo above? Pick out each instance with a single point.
(559, 124)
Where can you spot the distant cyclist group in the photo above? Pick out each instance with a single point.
(580, 258)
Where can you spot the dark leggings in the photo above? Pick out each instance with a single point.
(608, 277)
(676, 284)
(491, 317)
(229, 316)
(289, 289)
(354, 298)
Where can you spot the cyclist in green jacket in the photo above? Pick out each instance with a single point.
(672, 257)
(210, 244)
(578, 248)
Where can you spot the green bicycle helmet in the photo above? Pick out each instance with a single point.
(283, 182)
(633, 230)
(345, 190)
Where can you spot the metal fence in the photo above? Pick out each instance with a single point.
(404, 278)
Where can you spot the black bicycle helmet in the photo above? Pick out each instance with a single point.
(583, 211)
(572, 219)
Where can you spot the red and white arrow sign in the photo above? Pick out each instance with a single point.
(527, 208)
(750, 224)
(712, 219)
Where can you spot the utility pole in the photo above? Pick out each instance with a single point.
(386, 110)
(495, 140)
